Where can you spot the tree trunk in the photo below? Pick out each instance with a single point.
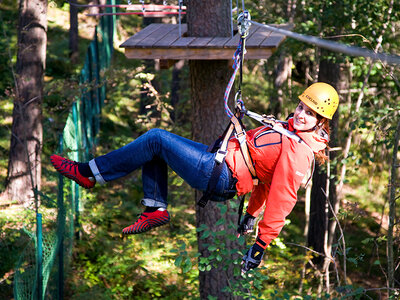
(281, 74)
(283, 70)
(175, 87)
(316, 227)
(392, 211)
(329, 72)
(24, 168)
(208, 83)
(73, 32)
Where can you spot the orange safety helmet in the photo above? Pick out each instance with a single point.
(321, 98)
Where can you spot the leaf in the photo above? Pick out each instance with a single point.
(202, 227)
(223, 209)
(178, 261)
(241, 240)
(353, 260)
(367, 240)
(187, 266)
(206, 234)
(212, 248)
(220, 222)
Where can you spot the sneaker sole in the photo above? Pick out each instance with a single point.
(146, 226)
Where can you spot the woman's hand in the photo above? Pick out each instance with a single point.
(253, 258)
(246, 225)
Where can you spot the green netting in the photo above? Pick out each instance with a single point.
(26, 279)
(42, 266)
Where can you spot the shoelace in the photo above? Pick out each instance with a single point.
(142, 215)
(70, 164)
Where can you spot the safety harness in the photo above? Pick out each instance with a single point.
(236, 127)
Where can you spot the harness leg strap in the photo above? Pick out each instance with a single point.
(212, 184)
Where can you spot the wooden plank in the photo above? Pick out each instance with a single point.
(218, 42)
(135, 39)
(258, 37)
(156, 35)
(171, 37)
(162, 41)
(274, 40)
(200, 42)
(194, 53)
(183, 42)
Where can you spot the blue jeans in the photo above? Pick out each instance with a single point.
(153, 152)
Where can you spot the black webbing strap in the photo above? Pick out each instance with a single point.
(240, 211)
(212, 184)
(217, 170)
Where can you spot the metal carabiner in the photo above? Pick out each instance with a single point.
(143, 7)
(238, 95)
(244, 23)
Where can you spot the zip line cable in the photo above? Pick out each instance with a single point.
(335, 46)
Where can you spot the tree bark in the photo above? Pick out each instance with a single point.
(281, 74)
(283, 70)
(392, 211)
(24, 168)
(73, 32)
(329, 72)
(208, 83)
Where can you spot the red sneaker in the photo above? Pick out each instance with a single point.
(69, 169)
(147, 221)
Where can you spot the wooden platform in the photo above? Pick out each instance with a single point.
(162, 41)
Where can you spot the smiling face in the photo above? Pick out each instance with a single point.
(304, 118)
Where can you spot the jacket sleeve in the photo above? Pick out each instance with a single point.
(257, 199)
(293, 163)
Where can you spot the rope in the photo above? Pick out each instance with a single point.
(236, 65)
(180, 14)
(230, 2)
(238, 57)
(335, 46)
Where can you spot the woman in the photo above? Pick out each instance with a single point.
(280, 163)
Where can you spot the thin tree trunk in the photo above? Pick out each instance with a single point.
(321, 231)
(330, 72)
(283, 70)
(24, 168)
(281, 73)
(73, 32)
(360, 99)
(392, 209)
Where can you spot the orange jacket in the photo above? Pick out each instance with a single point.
(281, 164)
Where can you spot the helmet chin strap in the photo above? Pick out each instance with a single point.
(319, 130)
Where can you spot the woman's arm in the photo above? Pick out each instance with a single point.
(293, 163)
